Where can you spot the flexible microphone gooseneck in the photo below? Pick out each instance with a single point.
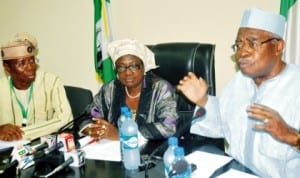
(73, 122)
(199, 113)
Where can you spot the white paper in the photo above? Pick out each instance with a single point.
(4, 144)
(105, 149)
(102, 150)
(235, 173)
(206, 163)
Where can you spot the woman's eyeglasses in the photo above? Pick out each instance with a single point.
(132, 68)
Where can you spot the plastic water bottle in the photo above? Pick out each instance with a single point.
(130, 148)
(121, 119)
(169, 154)
(180, 168)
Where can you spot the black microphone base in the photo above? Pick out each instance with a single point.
(48, 163)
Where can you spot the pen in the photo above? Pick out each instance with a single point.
(88, 143)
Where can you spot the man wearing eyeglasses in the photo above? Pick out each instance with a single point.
(258, 111)
(33, 103)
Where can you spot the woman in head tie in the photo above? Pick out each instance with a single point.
(150, 98)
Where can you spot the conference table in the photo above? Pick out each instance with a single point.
(113, 169)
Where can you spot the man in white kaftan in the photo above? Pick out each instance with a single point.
(258, 111)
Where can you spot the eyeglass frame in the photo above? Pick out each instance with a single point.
(131, 67)
(22, 64)
(253, 44)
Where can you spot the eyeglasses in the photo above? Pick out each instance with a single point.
(253, 44)
(132, 68)
(24, 62)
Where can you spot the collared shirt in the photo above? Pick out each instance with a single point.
(48, 109)
(258, 150)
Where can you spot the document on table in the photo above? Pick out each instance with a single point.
(206, 163)
(4, 144)
(235, 173)
(102, 150)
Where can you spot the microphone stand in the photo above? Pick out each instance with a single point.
(199, 113)
(58, 168)
(83, 115)
(160, 147)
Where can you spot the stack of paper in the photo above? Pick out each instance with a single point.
(206, 163)
(103, 150)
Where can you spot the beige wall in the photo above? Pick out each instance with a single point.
(64, 29)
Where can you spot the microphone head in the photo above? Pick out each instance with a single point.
(39, 147)
(178, 168)
(200, 112)
(54, 147)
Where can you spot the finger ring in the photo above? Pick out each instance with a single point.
(101, 133)
(266, 120)
(103, 127)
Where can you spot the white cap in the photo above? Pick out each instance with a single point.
(119, 48)
(22, 45)
(267, 21)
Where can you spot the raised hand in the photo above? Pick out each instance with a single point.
(195, 89)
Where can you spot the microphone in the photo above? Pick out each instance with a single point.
(201, 111)
(47, 151)
(34, 150)
(73, 126)
(73, 122)
(57, 169)
(20, 154)
(78, 157)
(54, 148)
(178, 168)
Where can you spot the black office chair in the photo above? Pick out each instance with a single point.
(175, 61)
(78, 98)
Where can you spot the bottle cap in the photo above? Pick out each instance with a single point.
(179, 151)
(172, 141)
(128, 114)
(124, 109)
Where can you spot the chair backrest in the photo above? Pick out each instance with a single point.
(175, 61)
(78, 98)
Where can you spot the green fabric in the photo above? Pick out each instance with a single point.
(103, 64)
(285, 6)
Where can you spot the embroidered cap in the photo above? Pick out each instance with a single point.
(259, 19)
(22, 45)
(119, 48)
